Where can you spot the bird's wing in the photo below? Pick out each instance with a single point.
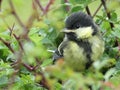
(59, 52)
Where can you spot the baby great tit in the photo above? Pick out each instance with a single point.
(82, 44)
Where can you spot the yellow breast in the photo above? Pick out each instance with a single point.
(75, 56)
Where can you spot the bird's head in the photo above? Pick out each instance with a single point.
(79, 26)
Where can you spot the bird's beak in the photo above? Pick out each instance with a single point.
(67, 31)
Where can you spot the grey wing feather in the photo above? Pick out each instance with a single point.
(59, 52)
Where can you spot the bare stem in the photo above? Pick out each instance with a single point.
(107, 12)
(48, 6)
(0, 4)
(97, 10)
(67, 7)
(39, 4)
(15, 14)
(25, 30)
(88, 10)
(30, 68)
(7, 44)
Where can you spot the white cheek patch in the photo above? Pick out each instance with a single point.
(84, 32)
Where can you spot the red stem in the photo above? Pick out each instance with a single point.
(39, 4)
(30, 68)
(48, 6)
(7, 44)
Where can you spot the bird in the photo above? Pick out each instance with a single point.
(82, 44)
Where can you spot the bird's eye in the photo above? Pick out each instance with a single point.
(77, 26)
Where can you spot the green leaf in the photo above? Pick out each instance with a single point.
(116, 32)
(113, 16)
(46, 62)
(109, 73)
(76, 8)
(118, 65)
(115, 79)
(58, 86)
(5, 35)
(3, 80)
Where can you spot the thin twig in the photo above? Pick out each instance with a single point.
(97, 10)
(11, 33)
(39, 4)
(88, 10)
(44, 81)
(31, 20)
(25, 30)
(19, 42)
(15, 14)
(7, 44)
(48, 6)
(30, 68)
(107, 12)
(0, 4)
(33, 16)
(9, 28)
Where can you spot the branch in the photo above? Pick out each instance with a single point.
(25, 30)
(44, 81)
(88, 10)
(39, 4)
(97, 10)
(107, 12)
(30, 68)
(19, 42)
(0, 4)
(33, 16)
(7, 44)
(15, 14)
(48, 6)
(67, 7)
(16, 37)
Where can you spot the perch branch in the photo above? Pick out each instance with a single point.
(88, 10)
